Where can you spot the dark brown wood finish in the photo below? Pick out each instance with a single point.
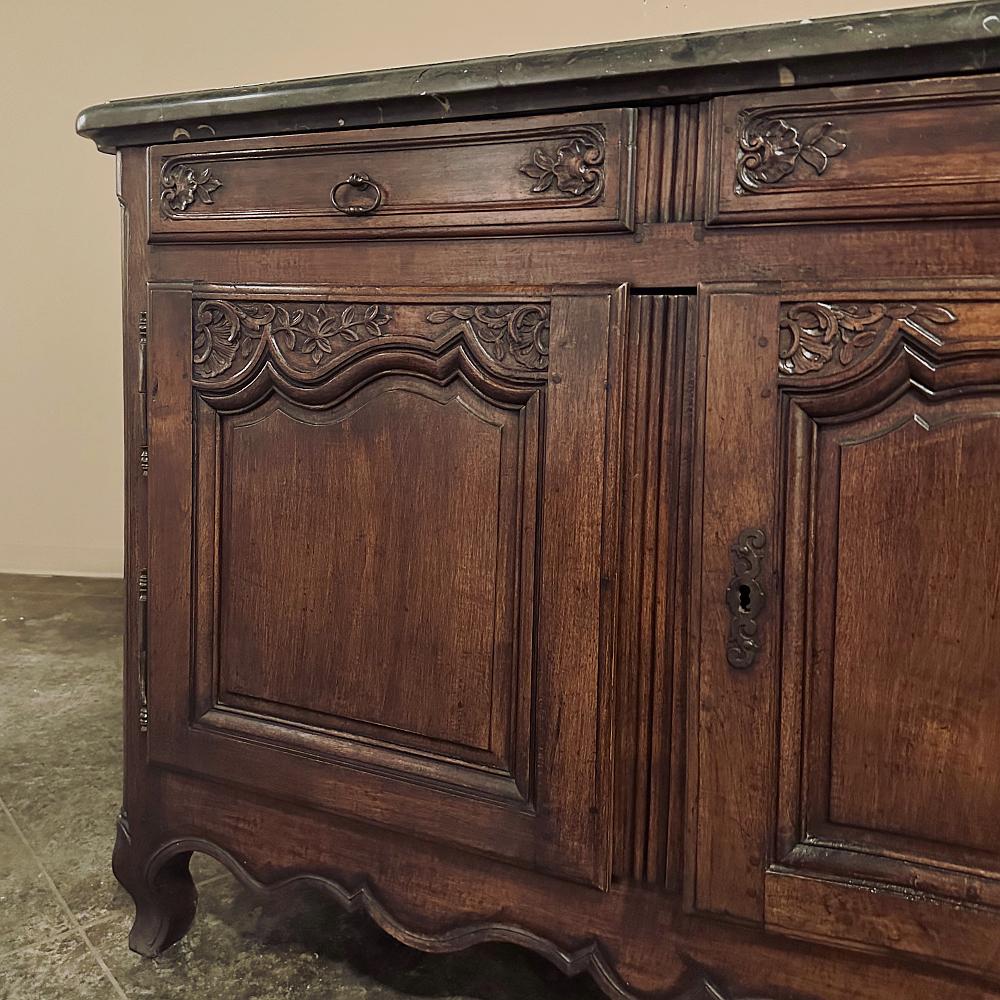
(732, 707)
(457, 735)
(892, 150)
(891, 692)
(580, 568)
(536, 174)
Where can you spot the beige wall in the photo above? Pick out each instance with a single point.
(60, 377)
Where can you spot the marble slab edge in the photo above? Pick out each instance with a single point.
(939, 40)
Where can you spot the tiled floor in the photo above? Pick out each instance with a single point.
(63, 918)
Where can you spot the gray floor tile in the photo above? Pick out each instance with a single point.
(61, 750)
(81, 586)
(55, 969)
(29, 910)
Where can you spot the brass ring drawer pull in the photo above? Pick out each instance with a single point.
(359, 182)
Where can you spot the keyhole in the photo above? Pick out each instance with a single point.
(744, 597)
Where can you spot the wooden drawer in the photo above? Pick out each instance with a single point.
(547, 174)
(869, 152)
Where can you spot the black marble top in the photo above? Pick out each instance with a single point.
(944, 39)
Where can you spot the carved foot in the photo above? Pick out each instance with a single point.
(165, 899)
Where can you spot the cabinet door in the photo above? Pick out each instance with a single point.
(380, 543)
(847, 693)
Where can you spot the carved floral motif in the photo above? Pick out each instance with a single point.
(316, 332)
(226, 331)
(229, 332)
(771, 148)
(515, 335)
(182, 184)
(814, 334)
(576, 168)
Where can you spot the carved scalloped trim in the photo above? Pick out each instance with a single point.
(588, 958)
(696, 984)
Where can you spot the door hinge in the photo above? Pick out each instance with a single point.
(143, 404)
(143, 616)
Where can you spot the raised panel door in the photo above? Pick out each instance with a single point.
(380, 556)
(863, 625)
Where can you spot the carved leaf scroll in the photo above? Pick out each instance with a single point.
(513, 335)
(816, 334)
(182, 184)
(576, 167)
(227, 331)
(772, 148)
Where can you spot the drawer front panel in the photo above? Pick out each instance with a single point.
(870, 152)
(546, 174)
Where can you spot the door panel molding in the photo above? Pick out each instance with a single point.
(841, 788)
(868, 746)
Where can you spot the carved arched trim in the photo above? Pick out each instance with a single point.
(589, 958)
(307, 340)
(455, 359)
(900, 367)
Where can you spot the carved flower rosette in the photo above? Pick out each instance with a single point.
(574, 169)
(771, 149)
(182, 185)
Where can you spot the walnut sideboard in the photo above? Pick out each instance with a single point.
(564, 504)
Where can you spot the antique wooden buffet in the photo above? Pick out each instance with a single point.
(564, 504)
